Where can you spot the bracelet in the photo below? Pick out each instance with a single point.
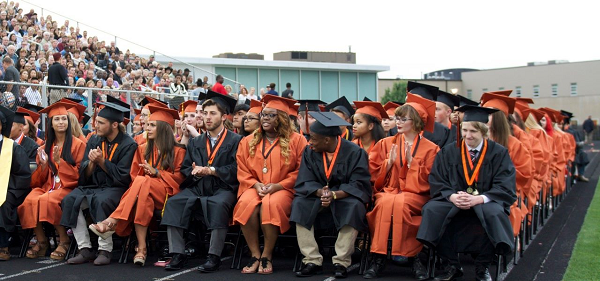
(333, 195)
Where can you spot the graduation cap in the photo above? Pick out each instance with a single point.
(553, 114)
(505, 93)
(112, 112)
(294, 110)
(32, 107)
(567, 115)
(425, 108)
(188, 106)
(342, 105)
(6, 118)
(75, 100)
(327, 123)
(466, 101)
(126, 121)
(201, 97)
(427, 91)
(309, 105)
(118, 102)
(503, 103)
(85, 118)
(283, 104)
(76, 108)
(372, 108)
(367, 99)
(525, 100)
(390, 108)
(538, 114)
(31, 115)
(448, 99)
(159, 113)
(476, 113)
(243, 107)
(57, 108)
(148, 100)
(255, 106)
(227, 102)
(19, 118)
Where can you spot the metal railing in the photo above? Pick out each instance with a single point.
(154, 52)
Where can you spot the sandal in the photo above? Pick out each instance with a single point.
(263, 265)
(38, 250)
(4, 254)
(248, 268)
(103, 229)
(60, 252)
(140, 256)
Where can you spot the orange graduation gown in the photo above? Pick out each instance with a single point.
(146, 193)
(83, 139)
(43, 203)
(39, 141)
(522, 161)
(399, 196)
(558, 182)
(275, 207)
(140, 139)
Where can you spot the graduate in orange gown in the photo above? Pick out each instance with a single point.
(536, 123)
(56, 175)
(155, 176)
(188, 126)
(520, 156)
(141, 138)
(400, 166)
(560, 159)
(367, 129)
(268, 163)
(76, 111)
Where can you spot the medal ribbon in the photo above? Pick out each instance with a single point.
(465, 155)
(212, 153)
(270, 149)
(329, 169)
(361, 146)
(402, 153)
(345, 135)
(112, 151)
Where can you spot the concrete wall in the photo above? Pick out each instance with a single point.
(444, 85)
(318, 57)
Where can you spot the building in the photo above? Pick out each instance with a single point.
(310, 80)
(334, 57)
(251, 56)
(447, 74)
(444, 85)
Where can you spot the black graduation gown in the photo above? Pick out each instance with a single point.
(85, 131)
(30, 148)
(215, 196)
(102, 190)
(452, 134)
(496, 181)
(18, 187)
(439, 136)
(581, 157)
(350, 174)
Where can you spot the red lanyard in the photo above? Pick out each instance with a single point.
(329, 169)
(212, 153)
(467, 155)
(112, 151)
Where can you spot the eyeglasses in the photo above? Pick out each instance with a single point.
(403, 119)
(251, 119)
(269, 115)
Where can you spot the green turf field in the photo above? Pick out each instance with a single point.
(585, 260)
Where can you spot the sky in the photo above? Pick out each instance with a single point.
(411, 37)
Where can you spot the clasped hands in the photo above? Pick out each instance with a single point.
(95, 156)
(199, 171)
(465, 201)
(269, 188)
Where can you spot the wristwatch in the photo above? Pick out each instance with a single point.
(212, 169)
(333, 195)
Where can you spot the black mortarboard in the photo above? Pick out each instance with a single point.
(343, 105)
(112, 112)
(75, 100)
(367, 99)
(398, 103)
(19, 117)
(426, 91)
(86, 118)
(6, 118)
(201, 97)
(227, 102)
(32, 107)
(148, 100)
(476, 113)
(313, 105)
(448, 99)
(466, 101)
(567, 115)
(121, 103)
(247, 101)
(242, 106)
(327, 123)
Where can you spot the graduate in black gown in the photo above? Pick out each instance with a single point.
(445, 105)
(472, 189)
(103, 178)
(441, 133)
(209, 191)
(581, 158)
(332, 190)
(15, 178)
(19, 136)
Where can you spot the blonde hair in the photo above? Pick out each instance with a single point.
(284, 129)
(479, 126)
(75, 127)
(533, 124)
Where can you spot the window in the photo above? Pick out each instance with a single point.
(573, 89)
(469, 94)
(554, 90)
(299, 55)
(518, 91)
(536, 91)
(485, 90)
(501, 89)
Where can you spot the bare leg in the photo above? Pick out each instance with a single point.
(250, 230)
(271, 232)
(39, 233)
(62, 234)
(140, 233)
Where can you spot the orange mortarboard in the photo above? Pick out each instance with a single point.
(126, 121)
(372, 108)
(160, 113)
(294, 110)
(425, 108)
(536, 113)
(31, 116)
(138, 114)
(500, 102)
(57, 108)
(75, 108)
(550, 112)
(505, 93)
(283, 104)
(390, 108)
(255, 106)
(188, 106)
(148, 100)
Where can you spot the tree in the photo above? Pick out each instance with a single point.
(397, 93)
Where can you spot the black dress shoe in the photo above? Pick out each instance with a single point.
(340, 271)
(178, 261)
(451, 272)
(419, 270)
(309, 269)
(377, 266)
(482, 274)
(212, 264)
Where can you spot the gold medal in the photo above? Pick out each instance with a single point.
(56, 179)
(265, 170)
(470, 190)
